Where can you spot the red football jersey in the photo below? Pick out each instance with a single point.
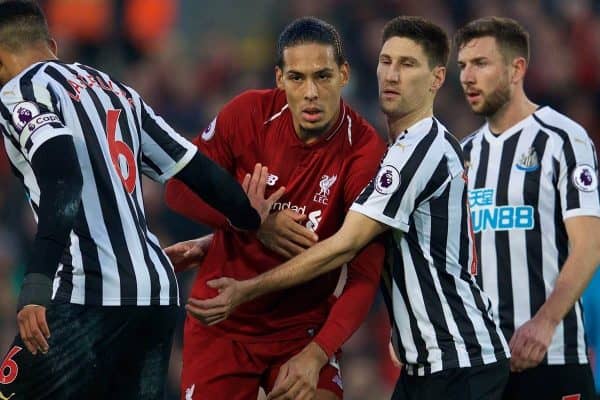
(322, 179)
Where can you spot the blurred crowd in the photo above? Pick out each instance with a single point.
(187, 58)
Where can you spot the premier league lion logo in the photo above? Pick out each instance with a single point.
(23, 114)
(386, 179)
(584, 178)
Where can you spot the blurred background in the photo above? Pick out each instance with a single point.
(189, 57)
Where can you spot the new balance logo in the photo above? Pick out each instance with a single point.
(272, 179)
(3, 397)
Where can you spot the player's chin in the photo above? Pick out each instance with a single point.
(315, 127)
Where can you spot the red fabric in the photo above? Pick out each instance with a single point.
(352, 307)
(216, 367)
(256, 127)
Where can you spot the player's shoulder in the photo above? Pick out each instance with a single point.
(559, 126)
(261, 104)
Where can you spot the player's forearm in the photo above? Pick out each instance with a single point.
(184, 201)
(219, 190)
(319, 259)
(574, 277)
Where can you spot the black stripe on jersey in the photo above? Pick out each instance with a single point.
(387, 289)
(467, 151)
(398, 274)
(533, 237)
(387, 279)
(162, 138)
(55, 103)
(108, 202)
(570, 327)
(65, 286)
(572, 192)
(455, 146)
(595, 165)
(440, 175)
(480, 177)
(26, 87)
(505, 295)
(151, 164)
(409, 171)
(438, 243)
(366, 193)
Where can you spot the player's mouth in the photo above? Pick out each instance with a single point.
(312, 114)
(473, 96)
(390, 94)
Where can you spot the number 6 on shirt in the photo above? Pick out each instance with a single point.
(10, 366)
(119, 148)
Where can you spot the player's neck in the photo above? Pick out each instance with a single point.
(515, 110)
(18, 62)
(400, 123)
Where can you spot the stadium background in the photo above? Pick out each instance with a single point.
(188, 57)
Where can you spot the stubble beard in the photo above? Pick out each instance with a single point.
(494, 101)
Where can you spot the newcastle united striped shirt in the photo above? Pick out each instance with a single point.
(523, 184)
(112, 257)
(441, 318)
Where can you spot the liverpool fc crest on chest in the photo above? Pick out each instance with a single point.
(325, 184)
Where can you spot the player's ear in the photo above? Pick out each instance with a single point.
(345, 73)
(279, 77)
(439, 76)
(519, 67)
(53, 47)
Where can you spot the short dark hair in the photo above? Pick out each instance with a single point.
(22, 22)
(512, 38)
(429, 36)
(310, 30)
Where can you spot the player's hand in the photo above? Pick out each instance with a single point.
(530, 342)
(33, 328)
(298, 377)
(232, 293)
(189, 254)
(283, 233)
(255, 185)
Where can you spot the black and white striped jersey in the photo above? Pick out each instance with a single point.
(441, 318)
(523, 184)
(112, 257)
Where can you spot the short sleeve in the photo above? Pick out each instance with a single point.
(164, 151)
(578, 177)
(411, 172)
(32, 116)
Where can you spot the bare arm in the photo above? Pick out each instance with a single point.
(355, 233)
(530, 342)
(583, 259)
